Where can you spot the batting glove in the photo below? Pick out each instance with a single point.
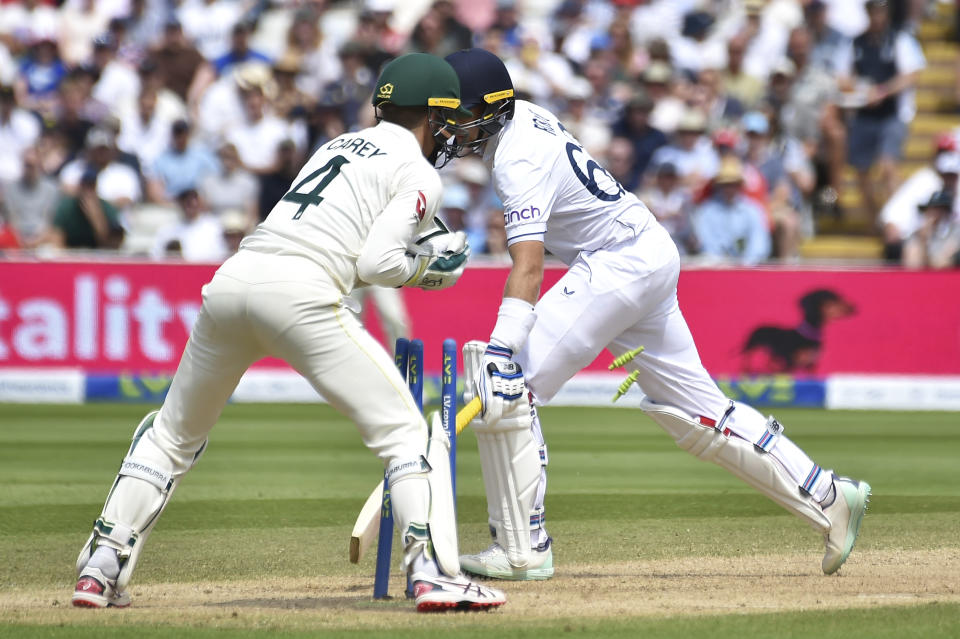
(500, 384)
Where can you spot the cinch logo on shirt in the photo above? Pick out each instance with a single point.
(523, 215)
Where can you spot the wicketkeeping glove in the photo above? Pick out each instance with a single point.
(439, 261)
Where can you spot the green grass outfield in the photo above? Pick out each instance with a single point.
(276, 494)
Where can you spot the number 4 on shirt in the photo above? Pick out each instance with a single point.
(332, 170)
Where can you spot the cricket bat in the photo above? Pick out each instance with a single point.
(368, 521)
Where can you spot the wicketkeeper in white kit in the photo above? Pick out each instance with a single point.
(619, 293)
(350, 219)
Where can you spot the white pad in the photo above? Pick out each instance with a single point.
(133, 507)
(739, 456)
(510, 458)
(511, 464)
(443, 516)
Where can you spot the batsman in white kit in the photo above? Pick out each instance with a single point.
(619, 293)
(350, 219)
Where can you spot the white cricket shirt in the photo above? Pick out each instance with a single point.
(553, 191)
(361, 198)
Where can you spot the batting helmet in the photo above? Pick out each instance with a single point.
(484, 82)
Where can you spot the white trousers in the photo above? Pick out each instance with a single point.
(260, 305)
(620, 299)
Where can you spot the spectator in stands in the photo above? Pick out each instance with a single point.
(261, 132)
(352, 90)
(619, 163)
(77, 111)
(232, 187)
(128, 51)
(19, 130)
(543, 75)
(887, 62)
(144, 132)
(730, 226)
(240, 50)
(453, 207)
(694, 48)
(53, 150)
(41, 73)
(181, 167)
(690, 151)
(30, 201)
(439, 32)
(788, 177)
(86, 220)
(607, 99)
(592, 132)
(197, 237)
(901, 215)
(634, 125)
(24, 23)
(8, 236)
(146, 21)
(275, 183)
(367, 41)
(737, 83)
(117, 183)
(709, 96)
(672, 205)
(483, 202)
(235, 224)
(183, 69)
(319, 64)
(811, 115)
(507, 23)
(936, 243)
(829, 46)
(629, 59)
(727, 143)
(324, 123)
(209, 23)
(118, 82)
(379, 14)
(668, 109)
(290, 102)
(169, 105)
(779, 86)
(80, 24)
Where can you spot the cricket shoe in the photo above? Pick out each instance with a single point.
(93, 590)
(439, 594)
(845, 515)
(493, 563)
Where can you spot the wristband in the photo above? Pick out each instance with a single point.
(515, 319)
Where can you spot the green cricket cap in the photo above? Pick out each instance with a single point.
(419, 79)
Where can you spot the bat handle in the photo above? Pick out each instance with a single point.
(467, 413)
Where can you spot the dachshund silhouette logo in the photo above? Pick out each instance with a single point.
(779, 349)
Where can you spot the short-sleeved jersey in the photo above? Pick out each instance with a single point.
(554, 192)
(327, 214)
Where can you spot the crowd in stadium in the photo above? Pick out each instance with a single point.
(170, 128)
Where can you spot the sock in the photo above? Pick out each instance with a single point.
(827, 501)
(105, 560)
(421, 564)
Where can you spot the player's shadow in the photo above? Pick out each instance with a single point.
(314, 603)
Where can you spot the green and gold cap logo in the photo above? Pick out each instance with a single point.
(385, 91)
